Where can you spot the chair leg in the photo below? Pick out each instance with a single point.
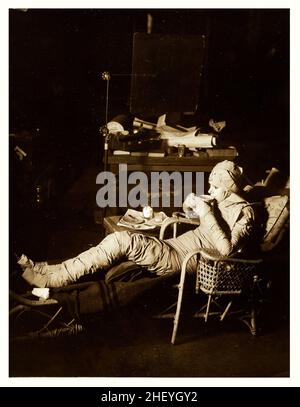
(253, 328)
(250, 320)
(179, 302)
(226, 310)
(180, 293)
(207, 308)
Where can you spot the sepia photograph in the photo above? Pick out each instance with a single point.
(149, 193)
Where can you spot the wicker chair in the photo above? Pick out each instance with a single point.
(226, 279)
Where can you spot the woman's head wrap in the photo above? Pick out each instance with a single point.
(227, 175)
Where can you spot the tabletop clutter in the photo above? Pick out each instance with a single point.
(146, 219)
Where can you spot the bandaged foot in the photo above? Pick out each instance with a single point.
(32, 271)
(26, 263)
(43, 274)
(113, 247)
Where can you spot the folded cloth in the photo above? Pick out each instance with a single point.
(43, 293)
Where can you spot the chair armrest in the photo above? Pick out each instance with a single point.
(175, 219)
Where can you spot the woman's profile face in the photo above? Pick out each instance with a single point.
(217, 193)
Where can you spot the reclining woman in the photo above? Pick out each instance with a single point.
(226, 225)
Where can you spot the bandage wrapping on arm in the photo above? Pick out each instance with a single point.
(239, 233)
(220, 240)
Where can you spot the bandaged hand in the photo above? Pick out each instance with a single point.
(201, 207)
(189, 203)
(189, 206)
(194, 206)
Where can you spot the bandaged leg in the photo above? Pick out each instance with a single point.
(112, 248)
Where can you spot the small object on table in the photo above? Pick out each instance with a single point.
(181, 150)
(148, 212)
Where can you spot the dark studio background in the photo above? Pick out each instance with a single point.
(56, 107)
(57, 96)
(56, 57)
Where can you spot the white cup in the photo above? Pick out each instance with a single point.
(148, 212)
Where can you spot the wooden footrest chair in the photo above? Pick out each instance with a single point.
(33, 318)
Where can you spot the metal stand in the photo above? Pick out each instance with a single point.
(104, 129)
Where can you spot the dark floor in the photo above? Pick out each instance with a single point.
(130, 343)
